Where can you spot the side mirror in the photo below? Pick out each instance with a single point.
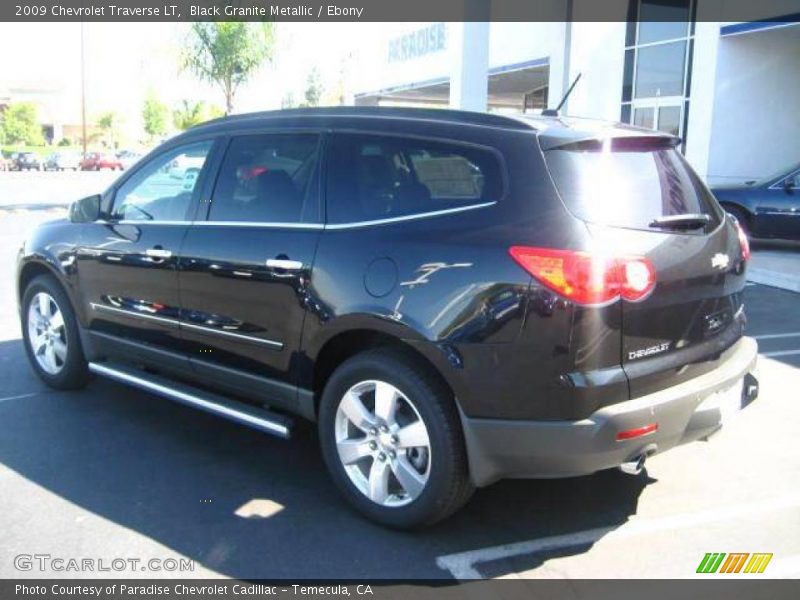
(789, 184)
(85, 210)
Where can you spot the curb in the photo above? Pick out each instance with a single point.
(774, 279)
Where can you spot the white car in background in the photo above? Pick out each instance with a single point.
(183, 165)
(128, 158)
(62, 160)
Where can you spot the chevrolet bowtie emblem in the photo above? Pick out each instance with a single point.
(720, 261)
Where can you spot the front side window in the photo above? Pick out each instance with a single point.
(162, 189)
(268, 179)
(374, 177)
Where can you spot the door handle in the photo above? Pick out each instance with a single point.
(158, 253)
(284, 263)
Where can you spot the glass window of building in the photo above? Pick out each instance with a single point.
(658, 59)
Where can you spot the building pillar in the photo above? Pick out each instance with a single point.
(703, 94)
(469, 77)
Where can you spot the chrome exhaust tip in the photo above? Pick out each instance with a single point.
(635, 466)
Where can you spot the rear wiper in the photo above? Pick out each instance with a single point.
(687, 221)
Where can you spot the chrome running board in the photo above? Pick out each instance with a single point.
(254, 417)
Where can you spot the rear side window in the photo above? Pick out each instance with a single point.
(376, 177)
(268, 179)
(627, 184)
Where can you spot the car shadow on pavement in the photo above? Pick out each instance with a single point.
(179, 477)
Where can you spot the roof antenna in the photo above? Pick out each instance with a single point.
(550, 112)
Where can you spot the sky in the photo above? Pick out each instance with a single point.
(125, 60)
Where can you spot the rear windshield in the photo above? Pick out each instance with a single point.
(628, 184)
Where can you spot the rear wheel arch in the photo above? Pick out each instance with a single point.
(346, 344)
(446, 485)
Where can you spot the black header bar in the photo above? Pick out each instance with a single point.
(382, 10)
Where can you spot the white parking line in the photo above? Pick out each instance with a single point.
(20, 397)
(775, 336)
(462, 565)
(780, 353)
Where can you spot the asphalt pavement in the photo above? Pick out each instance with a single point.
(115, 473)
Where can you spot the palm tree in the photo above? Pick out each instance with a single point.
(109, 123)
(188, 114)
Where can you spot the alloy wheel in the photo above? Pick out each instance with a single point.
(47, 333)
(383, 443)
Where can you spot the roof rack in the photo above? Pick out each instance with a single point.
(438, 114)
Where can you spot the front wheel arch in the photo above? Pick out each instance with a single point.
(31, 271)
(44, 265)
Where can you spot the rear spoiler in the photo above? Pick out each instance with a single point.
(620, 140)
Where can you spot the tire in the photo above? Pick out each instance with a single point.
(440, 477)
(71, 370)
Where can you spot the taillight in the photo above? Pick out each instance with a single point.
(588, 278)
(630, 434)
(744, 243)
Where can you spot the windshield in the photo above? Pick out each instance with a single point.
(631, 186)
(785, 172)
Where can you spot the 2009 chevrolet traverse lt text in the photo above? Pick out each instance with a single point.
(453, 297)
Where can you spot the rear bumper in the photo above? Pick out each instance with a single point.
(515, 449)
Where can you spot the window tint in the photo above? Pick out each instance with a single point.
(372, 177)
(266, 178)
(162, 189)
(628, 187)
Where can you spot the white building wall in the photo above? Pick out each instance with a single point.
(469, 57)
(598, 52)
(755, 128)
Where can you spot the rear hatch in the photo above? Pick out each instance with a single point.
(639, 197)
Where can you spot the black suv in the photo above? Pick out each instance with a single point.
(454, 297)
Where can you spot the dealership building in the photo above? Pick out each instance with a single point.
(730, 90)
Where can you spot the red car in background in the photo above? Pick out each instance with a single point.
(96, 161)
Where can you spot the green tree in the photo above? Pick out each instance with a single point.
(228, 53)
(109, 123)
(154, 115)
(188, 114)
(21, 125)
(215, 112)
(313, 88)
